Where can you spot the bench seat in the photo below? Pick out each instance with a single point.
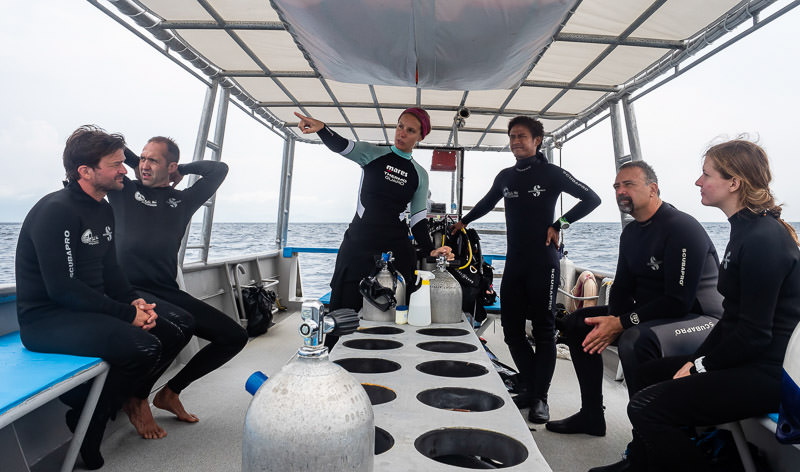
(32, 379)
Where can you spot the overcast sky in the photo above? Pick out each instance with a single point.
(64, 64)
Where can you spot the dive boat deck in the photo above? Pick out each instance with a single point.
(219, 399)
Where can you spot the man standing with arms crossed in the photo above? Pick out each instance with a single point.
(151, 217)
(72, 297)
(531, 276)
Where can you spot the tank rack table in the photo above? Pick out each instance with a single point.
(437, 400)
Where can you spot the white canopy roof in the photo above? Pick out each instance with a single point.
(356, 64)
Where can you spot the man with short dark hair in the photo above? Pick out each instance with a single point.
(151, 217)
(663, 302)
(72, 296)
(531, 276)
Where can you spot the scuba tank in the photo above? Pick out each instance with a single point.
(382, 291)
(313, 414)
(419, 308)
(445, 295)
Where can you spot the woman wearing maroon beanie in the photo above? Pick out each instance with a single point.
(390, 180)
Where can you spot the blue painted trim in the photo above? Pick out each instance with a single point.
(493, 257)
(290, 251)
(8, 299)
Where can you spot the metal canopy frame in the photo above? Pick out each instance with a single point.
(169, 36)
(615, 100)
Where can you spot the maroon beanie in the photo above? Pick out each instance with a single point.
(423, 118)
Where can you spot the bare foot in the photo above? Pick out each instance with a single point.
(138, 411)
(168, 400)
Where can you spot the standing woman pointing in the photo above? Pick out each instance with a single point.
(390, 180)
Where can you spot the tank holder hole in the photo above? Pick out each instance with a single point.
(447, 346)
(373, 344)
(471, 448)
(383, 441)
(378, 394)
(443, 332)
(446, 368)
(460, 399)
(365, 365)
(380, 330)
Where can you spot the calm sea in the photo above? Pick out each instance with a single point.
(588, 244)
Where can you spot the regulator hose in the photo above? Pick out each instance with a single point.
(345, 321)
(469, 246)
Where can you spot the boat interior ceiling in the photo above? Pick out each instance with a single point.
(356, 64)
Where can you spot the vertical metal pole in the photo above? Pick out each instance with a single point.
(286, 191)
(216, 155)
(619, 149)
(459, 182)
(455, 205)
(200, 149)
(548, 153)
(632, 129)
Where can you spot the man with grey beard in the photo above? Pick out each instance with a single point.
(663, 302)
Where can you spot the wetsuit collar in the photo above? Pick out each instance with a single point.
(400, 153)
(524, 164)
(659, 211)
(741, 216)
(74, 186)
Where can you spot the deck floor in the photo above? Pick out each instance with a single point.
(219, 399)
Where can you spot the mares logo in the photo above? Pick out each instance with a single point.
(68, 252)
(395, 175)
(172, 202)
(683, 266)
(694, 329)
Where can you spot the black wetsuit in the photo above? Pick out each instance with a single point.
(664, 293)
(531, 276)
(390, 180)
(73, 298)
(151, 222)
(760, 279)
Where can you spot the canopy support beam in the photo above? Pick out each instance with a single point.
(286, 191)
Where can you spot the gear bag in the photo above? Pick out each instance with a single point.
(474, 274)
(257, 303)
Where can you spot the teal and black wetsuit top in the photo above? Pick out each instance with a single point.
(390, 180)
(151, 221)
(66, 259)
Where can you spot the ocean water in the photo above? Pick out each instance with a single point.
(592, 245)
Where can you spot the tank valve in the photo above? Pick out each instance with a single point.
(316, 323)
